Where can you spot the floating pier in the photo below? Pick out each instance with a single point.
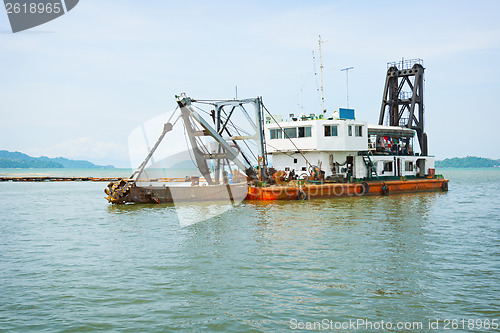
(58, 179)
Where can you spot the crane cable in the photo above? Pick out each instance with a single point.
(284, 133)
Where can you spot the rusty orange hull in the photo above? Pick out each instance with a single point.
(332, 190)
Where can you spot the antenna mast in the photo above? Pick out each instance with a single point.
(321, 75)
(347, 82)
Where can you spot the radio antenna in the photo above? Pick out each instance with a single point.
(321, 74)
(347, 82)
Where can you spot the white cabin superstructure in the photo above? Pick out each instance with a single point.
(344, 149)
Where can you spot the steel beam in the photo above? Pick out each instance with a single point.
(400, 110)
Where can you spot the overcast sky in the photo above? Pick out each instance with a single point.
(77, 86)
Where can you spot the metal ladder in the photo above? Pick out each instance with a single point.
(372, 172)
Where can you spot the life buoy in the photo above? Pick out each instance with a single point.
(444, 186)
(365, 187)
(385, 190)
(302, 195)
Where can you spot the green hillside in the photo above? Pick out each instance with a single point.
(468, 162)
(23, 164)
(20, 160)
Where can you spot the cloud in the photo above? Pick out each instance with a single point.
(109, 66)
(434, 29)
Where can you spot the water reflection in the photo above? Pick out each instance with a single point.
(138, 208)
(308, 257)
(73, 262)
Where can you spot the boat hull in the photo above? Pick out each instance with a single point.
(332, 190)
(166, 194)
(159, 193)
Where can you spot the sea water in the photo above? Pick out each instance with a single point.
(71, 262)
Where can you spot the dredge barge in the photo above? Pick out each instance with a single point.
(304, 157)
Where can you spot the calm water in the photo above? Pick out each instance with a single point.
(70, 262)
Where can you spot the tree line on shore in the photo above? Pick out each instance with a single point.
(468, 162)
(19, 160)
(23, 161)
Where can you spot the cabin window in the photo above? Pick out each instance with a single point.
(304, 168)
(359, 130)
(331, 130)
(291, 132)
(276, 134)
(388, 166)
(349, 130)
(305, 132)
(408, 166)
(308, 131)
(294, 160)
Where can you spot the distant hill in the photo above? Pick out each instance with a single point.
(468, 162)
(19, 160)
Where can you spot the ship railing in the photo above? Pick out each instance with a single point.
(405, 64)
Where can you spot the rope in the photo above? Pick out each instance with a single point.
(284, 133)
(172, 115)
(280, 151)
(206, 112)
(244, 141)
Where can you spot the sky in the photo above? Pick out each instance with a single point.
(77, 86)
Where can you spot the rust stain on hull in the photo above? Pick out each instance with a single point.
(126, 190)
(331, 190)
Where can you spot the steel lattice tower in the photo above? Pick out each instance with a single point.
(403, 100)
